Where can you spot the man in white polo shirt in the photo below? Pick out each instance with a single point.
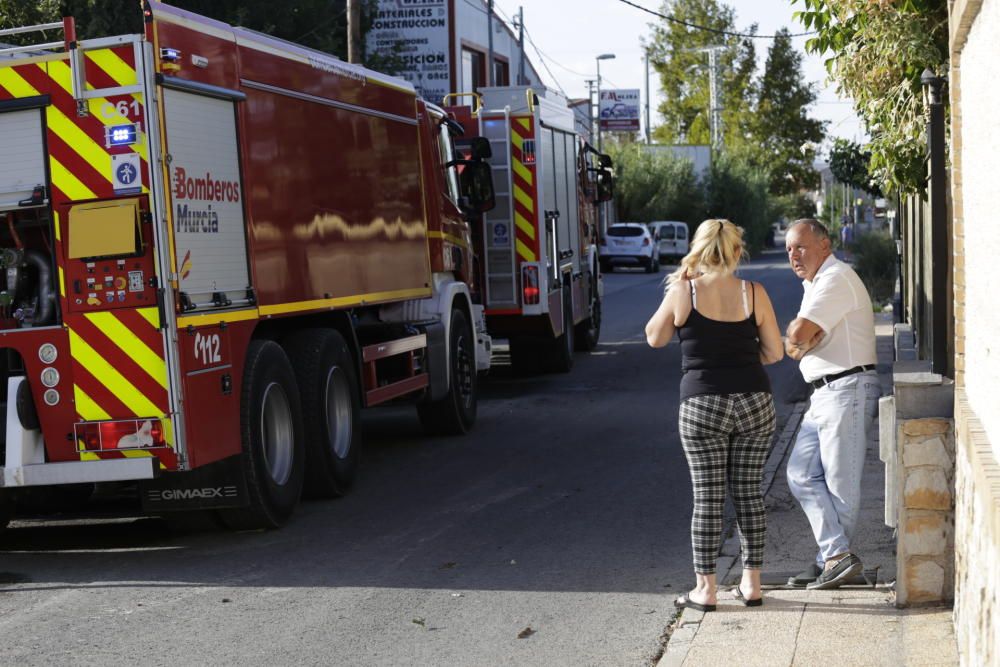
(833, 337)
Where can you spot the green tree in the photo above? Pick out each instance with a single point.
(878, 50)
(654, 186)
(676, 53)
(737, 190)
(849, 164)
(784, 137)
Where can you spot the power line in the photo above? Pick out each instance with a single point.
(544, 64)
(671, 19)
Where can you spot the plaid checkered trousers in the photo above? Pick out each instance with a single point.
(726, 437)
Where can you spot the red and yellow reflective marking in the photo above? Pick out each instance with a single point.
(79, 160)
(525, 217)
(120, 372)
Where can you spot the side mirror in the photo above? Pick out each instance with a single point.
(480, 148)
(476, 181)
(605, 186)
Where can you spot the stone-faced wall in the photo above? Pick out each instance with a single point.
(925, 563)
(975, 146)
(977, 541)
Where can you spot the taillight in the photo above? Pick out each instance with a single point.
(126, 434)
(645, 241)
(529, 285)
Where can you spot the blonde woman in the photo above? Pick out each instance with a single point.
(727, 331)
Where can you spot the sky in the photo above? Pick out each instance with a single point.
(571, 33)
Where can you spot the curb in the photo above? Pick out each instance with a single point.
(687, 624)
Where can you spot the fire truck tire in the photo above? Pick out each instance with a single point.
(6, 510)
(331, 410)
(272, 435)
(588, 332)
(456, 412)
(561, 359)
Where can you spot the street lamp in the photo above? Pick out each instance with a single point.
(603, 56)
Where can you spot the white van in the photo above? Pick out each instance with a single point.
(671, 238)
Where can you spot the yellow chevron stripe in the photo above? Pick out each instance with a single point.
(89, 456)
(60, 72)
(70, 185)
(524, 251)
(525, 200)
(516, 139)
(116, 383)
(524, 225)
(15, 83)
(109, 61)
(79, 141)
(151, 315)
(523, 172)
(525, 123)
(87, 408)
(130, 344)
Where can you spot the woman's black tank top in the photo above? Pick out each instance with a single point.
(720, 357)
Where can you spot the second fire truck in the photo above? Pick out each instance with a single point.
(538, 266)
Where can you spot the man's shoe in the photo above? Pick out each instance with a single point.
(834, 577)
(802, 579)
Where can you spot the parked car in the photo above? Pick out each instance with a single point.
(671, 239)
(628, 244)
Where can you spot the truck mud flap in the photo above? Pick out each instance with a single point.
(437, 353)
(217, 485)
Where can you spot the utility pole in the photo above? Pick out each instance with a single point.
(715, 95)
(603, 56)
(489, 29)
(354, 31)
(649, 131)
(590, 105)
(520, 45)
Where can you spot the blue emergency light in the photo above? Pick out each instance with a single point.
(122, 135)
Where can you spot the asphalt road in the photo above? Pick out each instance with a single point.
(554, 534)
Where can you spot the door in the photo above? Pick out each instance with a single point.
(206, 199)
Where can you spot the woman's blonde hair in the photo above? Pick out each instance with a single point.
(717, 247)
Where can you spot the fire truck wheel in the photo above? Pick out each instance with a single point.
(561, 360)
(456, 412)
(331, 410)
(271, 431)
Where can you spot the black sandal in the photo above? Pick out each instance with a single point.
(685, 602)
(756, 602)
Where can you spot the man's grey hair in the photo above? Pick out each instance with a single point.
(818, 229)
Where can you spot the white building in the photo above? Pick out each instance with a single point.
(445, 45)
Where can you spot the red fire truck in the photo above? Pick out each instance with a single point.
(217, 248)
(537, 248)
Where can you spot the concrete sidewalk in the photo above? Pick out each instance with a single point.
(854, 625)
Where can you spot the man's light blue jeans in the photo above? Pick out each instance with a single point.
(824, 470)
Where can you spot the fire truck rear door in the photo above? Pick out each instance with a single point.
(23, 164)
(206, 199)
